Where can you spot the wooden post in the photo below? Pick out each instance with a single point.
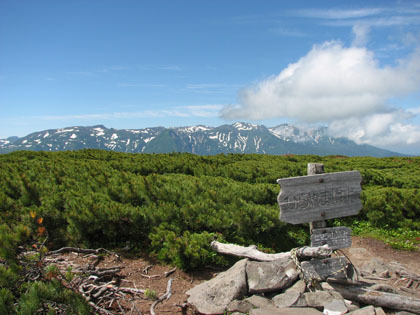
(313, 169)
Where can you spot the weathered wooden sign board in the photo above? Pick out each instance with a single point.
(321, 269)
(319, 197)
(335, 237)
(314, 199)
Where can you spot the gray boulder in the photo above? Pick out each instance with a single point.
(335, 307)
(299, 286)
(285, 311)
(239, 306)
(260, 302)
(319, 299)
(286, 299)
(368, 310)
(213, 296)
(270, 276)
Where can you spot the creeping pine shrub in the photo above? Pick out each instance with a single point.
(17, 295)
(43, 296)
(6, 301)
(186, 251)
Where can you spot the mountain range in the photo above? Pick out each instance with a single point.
(203, 140)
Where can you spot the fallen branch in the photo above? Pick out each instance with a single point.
(165, 296)
(105, 271)
(146, 269)
(169, 272)
(150, 276)
(131, 290)
(81, 251)
(253, 253)
(379, 298)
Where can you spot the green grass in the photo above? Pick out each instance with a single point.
(398, 238)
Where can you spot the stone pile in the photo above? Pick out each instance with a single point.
(274, 287)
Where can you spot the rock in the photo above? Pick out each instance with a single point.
(379, 311)
(301, 302)
(319, 299)
(374, 266)
(285, 311)
(286, 299)
(213, 296)
(336, 307)
(269, 276)
(239, 306)
(299, 286)
(385, 274)
(368, 310)
(291, 295)
(351, 305)
(260, 302)
(326, 286)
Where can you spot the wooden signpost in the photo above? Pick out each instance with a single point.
(319, 197)
(314, 199)
(335, 237)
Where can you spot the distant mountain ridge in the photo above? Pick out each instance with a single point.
(203, 140)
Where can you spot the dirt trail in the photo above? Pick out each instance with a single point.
(361, 253)
(364, 249)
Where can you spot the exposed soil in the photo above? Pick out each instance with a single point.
(134, 275)
(375, 248)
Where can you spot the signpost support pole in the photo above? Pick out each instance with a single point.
(313, 169)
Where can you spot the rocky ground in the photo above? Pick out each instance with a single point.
(141, 273)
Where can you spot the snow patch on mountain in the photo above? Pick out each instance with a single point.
(99, 131)
(288, 132)
(244, 126)
(193, 129)
(64, 130)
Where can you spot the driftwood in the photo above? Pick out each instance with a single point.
(253, 253)
(379, 298)
(165, 296)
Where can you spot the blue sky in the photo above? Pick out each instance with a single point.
(351, 65)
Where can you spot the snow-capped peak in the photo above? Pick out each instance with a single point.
(244, 126)
(192, 129)
(288, 132)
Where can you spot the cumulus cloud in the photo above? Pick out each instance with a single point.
(337, 85)
(384, 129)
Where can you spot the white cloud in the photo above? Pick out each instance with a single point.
(386, 129)
(401, 14)
(340, 13)
(397, 20)
(360, 32)
(289, 32)
(142, 85)
(342, 86)
(203, 110)
(113, 68)
(177, 111)
(212, 88)
(331, 82)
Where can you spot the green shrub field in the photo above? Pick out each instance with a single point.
(173, 205)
